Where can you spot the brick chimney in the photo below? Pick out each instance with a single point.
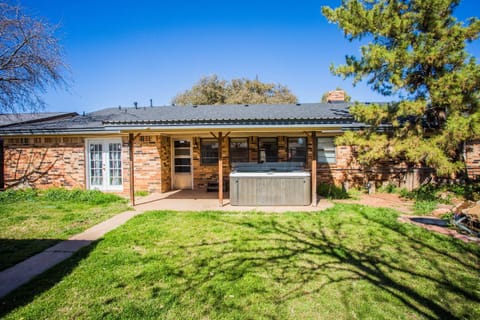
(336, 96)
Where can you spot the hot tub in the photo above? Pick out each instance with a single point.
(270, 184)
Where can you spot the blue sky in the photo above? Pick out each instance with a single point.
(125, 51)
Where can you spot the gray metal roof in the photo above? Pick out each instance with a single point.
(112, 119)
(22, 118)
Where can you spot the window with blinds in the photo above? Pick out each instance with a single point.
(208, 151)
(326, 150)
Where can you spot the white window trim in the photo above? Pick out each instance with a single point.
(330, 147)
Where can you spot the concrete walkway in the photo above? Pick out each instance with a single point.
(23, 272)
(185, 200)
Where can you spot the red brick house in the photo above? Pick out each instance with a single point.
(158, 149)
(7, 120)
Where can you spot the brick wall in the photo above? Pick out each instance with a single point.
(53, 161)
(125, 166)
(204, 173)
(43, 162)
(147, 165)
(165, 163)
(348, 172)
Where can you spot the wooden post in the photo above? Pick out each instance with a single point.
(2, 178)
(314, 169)
(220, 170)
(132, 173)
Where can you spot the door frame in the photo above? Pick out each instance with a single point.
(105, 186)
(172, 152)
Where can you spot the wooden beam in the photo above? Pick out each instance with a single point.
(314, 169)
(132, 173)
(220, 170)
(213, 135)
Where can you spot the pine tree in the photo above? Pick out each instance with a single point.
(416, 51)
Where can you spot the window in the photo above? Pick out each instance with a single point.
(238, 150)
(297, 149)
(326, 150)
(182, 163)
(267, 150)
(208, 151)
(145, 138)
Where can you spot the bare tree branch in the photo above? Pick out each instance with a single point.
(30, 60)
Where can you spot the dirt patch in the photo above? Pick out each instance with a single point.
(383, 200)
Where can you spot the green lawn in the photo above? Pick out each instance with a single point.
(32, 221)
(348, 262)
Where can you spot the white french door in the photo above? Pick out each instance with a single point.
(105, 165)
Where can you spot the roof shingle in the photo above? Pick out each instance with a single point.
(203, 115)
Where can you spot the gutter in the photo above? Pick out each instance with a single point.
(57, 132)
(123, 129)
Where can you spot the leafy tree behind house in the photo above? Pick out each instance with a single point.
(212, 90)
(417, 51)
(30, 60)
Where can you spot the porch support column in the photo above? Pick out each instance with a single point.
(132, 173)
(220, 170)
(314, 169)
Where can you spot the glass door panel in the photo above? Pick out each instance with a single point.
(105, 165)
(115, 164)
(182, 164)
(96, 164)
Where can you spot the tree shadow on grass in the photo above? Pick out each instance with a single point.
(13, 251)
(43, 282)
(308, 259)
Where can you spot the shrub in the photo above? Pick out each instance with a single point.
(12, 195)
(77, 195)
(424, 207)
(469, 191)
(331, 191)
(431, 192)
(427, 192)
(389, 188)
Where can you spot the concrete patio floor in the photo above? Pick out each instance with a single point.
(190, 200)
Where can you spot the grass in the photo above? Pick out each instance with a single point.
(31, 221)
(141, 193)
(349, 261)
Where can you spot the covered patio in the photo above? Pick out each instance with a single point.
(199, 200)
